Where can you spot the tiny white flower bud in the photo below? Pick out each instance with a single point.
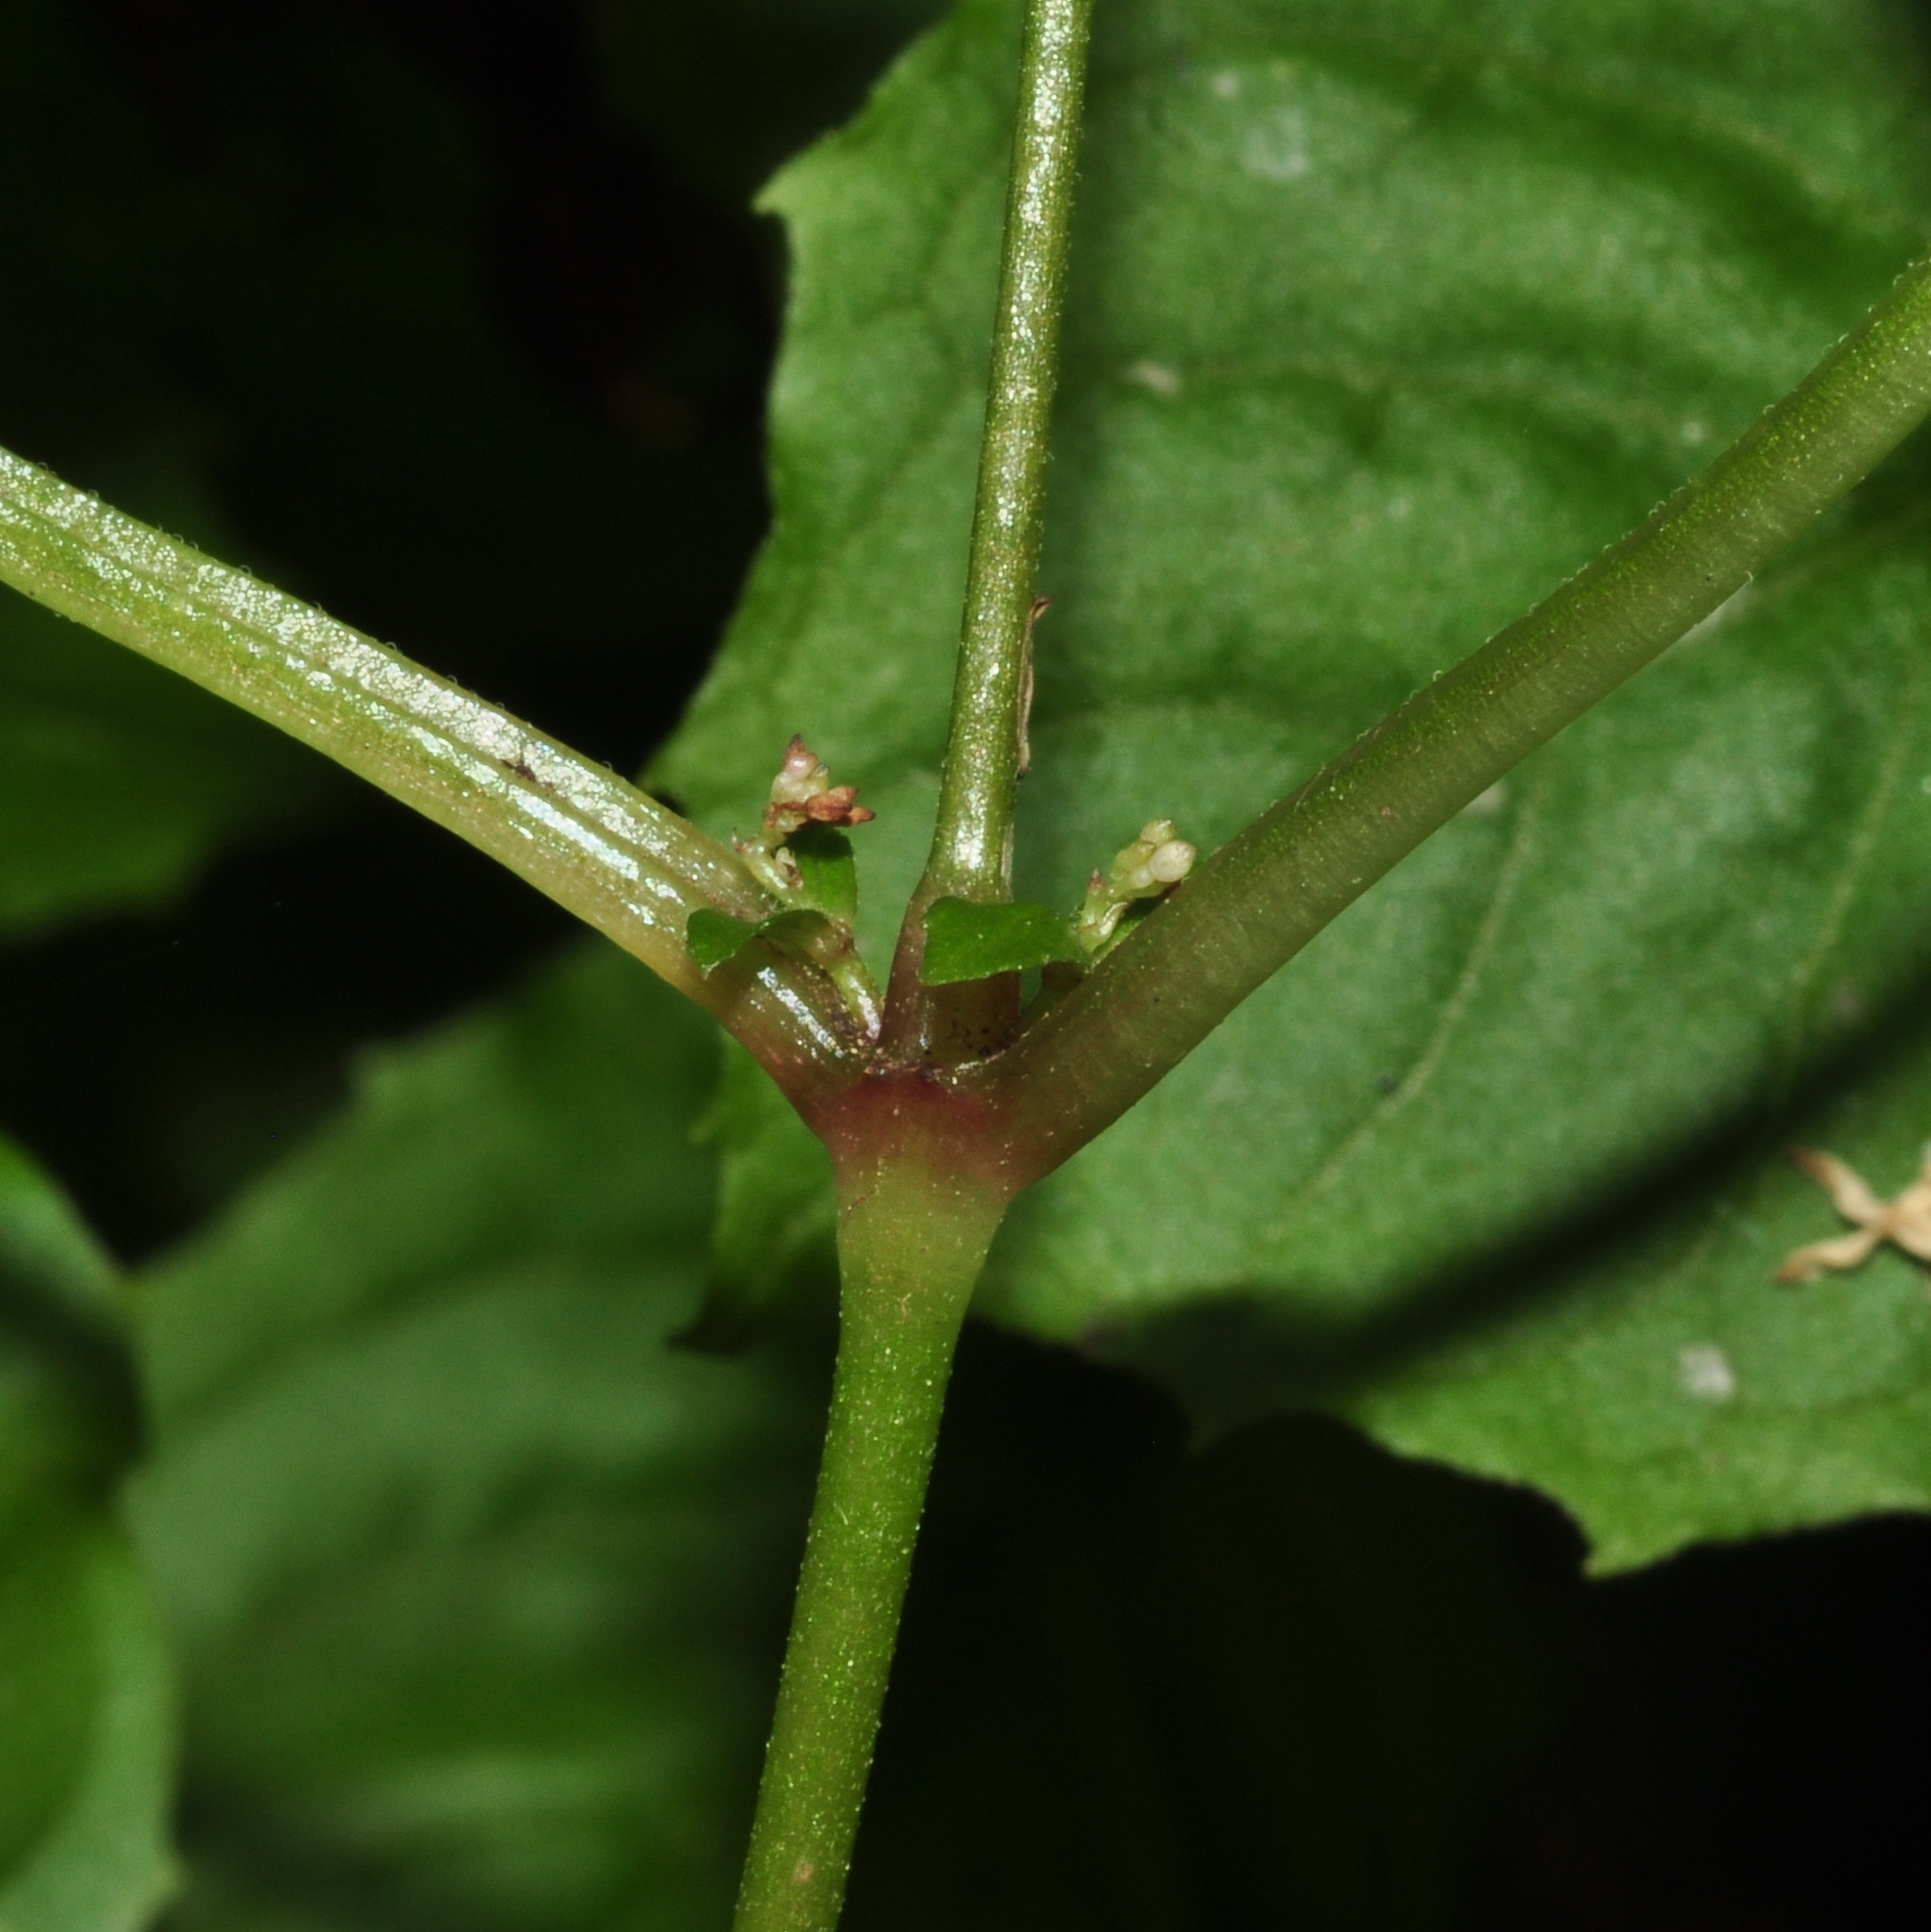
(1147, 869)
(802, 775)
(1172, 862)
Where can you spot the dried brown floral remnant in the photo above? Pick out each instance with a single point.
(802, 793)
(1904, 1221)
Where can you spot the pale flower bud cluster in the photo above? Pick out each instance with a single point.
(801, 776)
(802, 793)
(1147, 869)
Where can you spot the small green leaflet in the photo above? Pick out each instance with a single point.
(966, 941)
(828, 869)
(828, 876)
(715, 937)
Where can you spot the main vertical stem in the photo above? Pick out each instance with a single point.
(919, 1198)
(971, 855)
(911, 1243)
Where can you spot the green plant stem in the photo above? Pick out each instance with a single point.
(914, 1223)
(571, 827)
(1272, 890)
(971, 855)
(911, 1244)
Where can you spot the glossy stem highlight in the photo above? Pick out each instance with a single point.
(1267, 893)
(910, 1248)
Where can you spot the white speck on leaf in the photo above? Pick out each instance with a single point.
(1705, 1373)
(1157, 376)
(1226, 84)
(1486, 804)
(1278, 149)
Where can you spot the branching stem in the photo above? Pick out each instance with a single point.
(914, 1226)
(1262, 897)
(935, 1128)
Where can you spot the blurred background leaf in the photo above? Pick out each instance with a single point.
(478, 1583)
(87, 1731)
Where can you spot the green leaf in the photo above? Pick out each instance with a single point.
(967, 941)
(827, 869)
(46, 1249)
(86, 1700)
(86, 1752)
(715, 937)
(1671, 1388)
(477, 1583)
(1384, 320)
(777, 1222)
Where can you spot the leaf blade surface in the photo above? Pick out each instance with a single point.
(1383, 321)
